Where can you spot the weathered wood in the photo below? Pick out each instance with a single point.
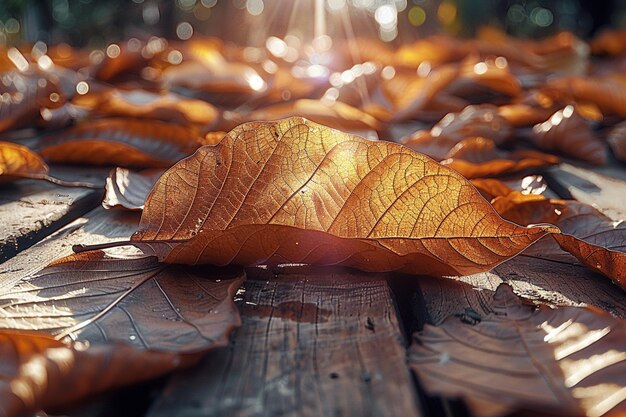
(31, 210)
(587, 186)
(97, 226)
(314, 342)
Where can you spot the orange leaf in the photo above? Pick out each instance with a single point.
(147, 105)
(297, 192)
(123, 142)
(594, 239)
(39, 372)
(478, 157)
(128, 189)
(568, 133)
(17, 161)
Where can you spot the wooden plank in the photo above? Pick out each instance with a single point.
(31, 210)
(97, 226)
(314, 342)
(608, 193)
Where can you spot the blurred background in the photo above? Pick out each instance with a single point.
(95, 23)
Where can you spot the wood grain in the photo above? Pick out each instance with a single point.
(314, 342)
(603, 191)
(31, 210)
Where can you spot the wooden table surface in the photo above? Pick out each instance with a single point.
(313, 341)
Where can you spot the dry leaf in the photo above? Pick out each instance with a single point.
(594, 239)
(147, 105)
(491, 188)
(335, 114)
(609, 42)
(19, 162)
(610, 97)
(568, 133)
(39, 372)
(100, 299)
(473, 121)
(479, 158)
(129, 189)
(293, 191)
(122, 142)
(617, 141)
(437, 147)
(565, 360)
(481, 81)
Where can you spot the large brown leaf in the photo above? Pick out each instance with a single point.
(569, 133)
(298, 192)
(101, 299)
(565, 361)
(479, 158)
(129, 189)
(122, 142)
(594, 239)
(39, 372)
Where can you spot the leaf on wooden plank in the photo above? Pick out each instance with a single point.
(565, 360)
(129, 189)
(617, 141)
(594, 239)
(568, 133)
(38, 372)
(293, 191)
(336, 115)
(101, 299)
(478, 158)
(144, 104)
(121, 142)
(19, 162)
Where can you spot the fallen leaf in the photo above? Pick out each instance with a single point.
(100, 299)
(19, 162)
(119, 59)
(594, 239)
(38, 372)
(143, 104)
(485, 80)
(337, 115)
(617, 141)
(293, 191)
(609, 96)
(522, 114)
(473, 121)
(122, 142)
(479, 158)
(437, 147)
(609, 42)
(491, 188)
(568, 133)
(565, 360)
(129, 189)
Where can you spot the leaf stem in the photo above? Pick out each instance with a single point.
(99, 246)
